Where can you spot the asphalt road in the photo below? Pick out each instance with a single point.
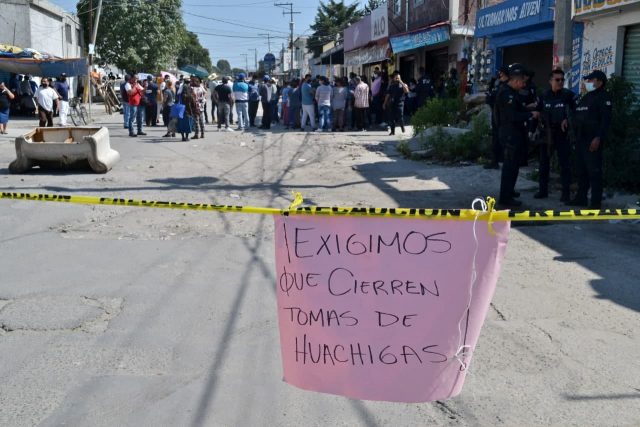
(138, 317)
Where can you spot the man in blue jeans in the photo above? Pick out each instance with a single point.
(324, 95)
(135, 93)
(125, 100)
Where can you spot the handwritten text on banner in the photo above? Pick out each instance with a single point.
(376, 308)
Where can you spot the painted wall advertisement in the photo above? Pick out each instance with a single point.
(581, 7)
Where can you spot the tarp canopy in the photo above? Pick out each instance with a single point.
(45, 67)
(196, 70)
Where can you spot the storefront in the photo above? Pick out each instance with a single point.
(366, 43)
(611, 40)
(427, 47)
(516, 31)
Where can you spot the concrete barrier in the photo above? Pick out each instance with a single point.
(65, 148)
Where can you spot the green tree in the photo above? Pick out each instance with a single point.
(193, 53)
(331, 19)
(137, 35)
(223, 66)
(373, 4)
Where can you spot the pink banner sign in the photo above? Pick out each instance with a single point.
(383, 308)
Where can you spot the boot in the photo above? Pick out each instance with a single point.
(195, 136)
(202, 135)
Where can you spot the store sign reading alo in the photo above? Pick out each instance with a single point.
(586, 6)
(379, 23)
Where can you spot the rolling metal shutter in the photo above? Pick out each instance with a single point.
(631, 58)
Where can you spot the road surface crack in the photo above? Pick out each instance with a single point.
(500, 315)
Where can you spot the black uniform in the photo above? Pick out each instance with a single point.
(592, 120)
(511, 116)
(425, 90)
(497, 150)
(556, 108)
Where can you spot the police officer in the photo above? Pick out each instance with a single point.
(512, 115)
(592, 121)
(425, 88)
(557, 104)
(492, 95)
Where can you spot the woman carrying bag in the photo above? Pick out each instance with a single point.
(168, 101)
(188, 102)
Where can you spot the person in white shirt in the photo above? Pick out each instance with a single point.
(45, 98)
(324, 96)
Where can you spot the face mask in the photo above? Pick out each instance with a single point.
(590, 86)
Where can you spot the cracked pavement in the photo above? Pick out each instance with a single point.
(127, 316)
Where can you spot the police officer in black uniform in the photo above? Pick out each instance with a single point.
(558, 104)
(425, 89)
(492, 96)
(592, 121)
(512, 116)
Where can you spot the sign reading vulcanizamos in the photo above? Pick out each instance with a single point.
(581, 7)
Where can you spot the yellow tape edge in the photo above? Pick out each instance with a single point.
(436, 214)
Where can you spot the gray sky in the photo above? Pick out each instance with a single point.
(240, 14)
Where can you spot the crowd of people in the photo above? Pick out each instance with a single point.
(317, 104)
(559, 122)
(24, 96)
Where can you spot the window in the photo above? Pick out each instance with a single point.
(67, 31)
(397, 7)
(79, 36)
(418, 2)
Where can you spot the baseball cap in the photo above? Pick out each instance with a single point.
(596, 74)
(266, 78)
(504, 70)
(242, 76)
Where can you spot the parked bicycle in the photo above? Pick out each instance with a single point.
(78, 112)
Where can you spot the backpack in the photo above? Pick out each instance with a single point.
(254, 94)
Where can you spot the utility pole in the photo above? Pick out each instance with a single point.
(92, 47)
(268, 36)
(255, 58)
(246, 62)
(563, 38)
(291, 26)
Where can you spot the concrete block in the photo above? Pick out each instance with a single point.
(65, 148)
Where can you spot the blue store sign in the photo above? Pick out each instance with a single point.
(513, 15)
(416, 39)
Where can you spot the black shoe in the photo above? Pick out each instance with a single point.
(133, 135)
(195, 136)
(492, 165)
(540, 195)
(392, 133)
(510, 203)
(515, 194)
(142, 133)
(583, 203)
(166, 135)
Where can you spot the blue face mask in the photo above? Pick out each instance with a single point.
(590, 86)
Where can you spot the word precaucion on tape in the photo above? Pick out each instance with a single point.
(295, 209)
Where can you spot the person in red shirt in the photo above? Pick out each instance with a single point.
(135, 93)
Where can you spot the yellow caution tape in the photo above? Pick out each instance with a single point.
(448, 214)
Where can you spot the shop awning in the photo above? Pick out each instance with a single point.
(45, 67)
(334, 55)
(513, 15)
(428, 36)
(376, 53)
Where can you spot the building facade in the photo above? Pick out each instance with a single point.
(41, 25)
(436, 35)
(611, 41)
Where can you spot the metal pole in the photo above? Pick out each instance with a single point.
(291, 26)
(93, 42)
(255, 58)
